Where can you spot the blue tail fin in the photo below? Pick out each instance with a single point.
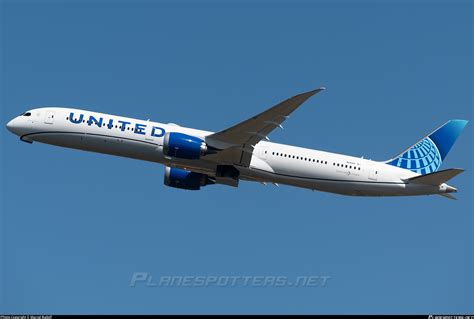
(427, 155)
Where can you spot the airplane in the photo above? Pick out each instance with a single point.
(195, 158)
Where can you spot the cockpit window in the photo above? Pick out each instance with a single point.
(27, 114)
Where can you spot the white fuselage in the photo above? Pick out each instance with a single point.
(270, 162)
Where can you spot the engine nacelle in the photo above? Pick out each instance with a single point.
(183, 146)
(180, 178)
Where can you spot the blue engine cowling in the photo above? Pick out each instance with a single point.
(180, 178)
(183, 146)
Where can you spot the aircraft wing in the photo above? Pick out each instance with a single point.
(242, 137)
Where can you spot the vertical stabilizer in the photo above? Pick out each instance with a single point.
(428, 154)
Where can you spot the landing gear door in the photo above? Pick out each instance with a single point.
(49, 117)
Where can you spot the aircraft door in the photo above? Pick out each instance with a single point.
(263, 150)
(373, 173)
(49, 117)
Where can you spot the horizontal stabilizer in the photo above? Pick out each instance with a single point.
(436, 178)
(447, 195)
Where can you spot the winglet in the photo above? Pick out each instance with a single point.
(319, 89)
(305, 95)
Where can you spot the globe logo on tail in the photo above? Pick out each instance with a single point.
(422, 158)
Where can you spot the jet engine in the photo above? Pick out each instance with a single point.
(180, 178)
(183, 146)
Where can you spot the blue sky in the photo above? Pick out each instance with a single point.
(76, 225)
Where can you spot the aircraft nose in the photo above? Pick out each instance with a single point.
(11, 125)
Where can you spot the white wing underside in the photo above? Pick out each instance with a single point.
(236, 143)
